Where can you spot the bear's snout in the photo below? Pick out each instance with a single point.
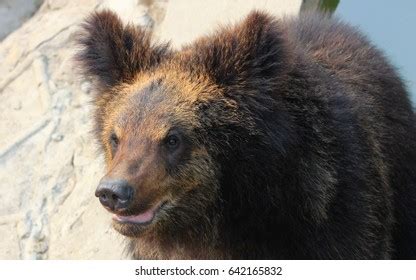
(114, 195)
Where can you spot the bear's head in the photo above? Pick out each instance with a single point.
(190, 136)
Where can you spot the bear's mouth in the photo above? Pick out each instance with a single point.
(144, 218)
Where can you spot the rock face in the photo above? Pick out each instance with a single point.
(14, 12)
(49, 166)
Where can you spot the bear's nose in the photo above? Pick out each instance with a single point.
(114, 194)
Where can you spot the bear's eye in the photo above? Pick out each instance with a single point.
(114, 141)
(172, 141)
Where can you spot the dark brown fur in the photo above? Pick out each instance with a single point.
(298, 140)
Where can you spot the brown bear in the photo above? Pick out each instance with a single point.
(268, 139)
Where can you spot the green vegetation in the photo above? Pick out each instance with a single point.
(328, 5)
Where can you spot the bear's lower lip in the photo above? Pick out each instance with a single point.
(145, 217)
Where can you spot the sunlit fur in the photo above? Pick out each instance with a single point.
(301, 140)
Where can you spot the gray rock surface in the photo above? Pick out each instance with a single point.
(48, 162)
(14, 12)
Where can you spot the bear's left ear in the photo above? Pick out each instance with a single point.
(112, 52)
(251, 53)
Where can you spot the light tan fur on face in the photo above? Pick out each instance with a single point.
(140, 128)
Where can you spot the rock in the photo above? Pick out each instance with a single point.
(56, 4)
(49, 166)
(145, 21)
(86, 87)
(14, 12)
(40, 71)
(10, 242)
(57, 137)
(17, 105)
(183, 21)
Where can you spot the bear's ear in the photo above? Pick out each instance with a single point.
(112, 52)
(250, 53)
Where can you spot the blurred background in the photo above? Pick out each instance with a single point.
(49, 167)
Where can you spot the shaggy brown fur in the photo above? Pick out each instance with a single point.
(291, 139)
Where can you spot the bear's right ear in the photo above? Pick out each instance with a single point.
(112, 52)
